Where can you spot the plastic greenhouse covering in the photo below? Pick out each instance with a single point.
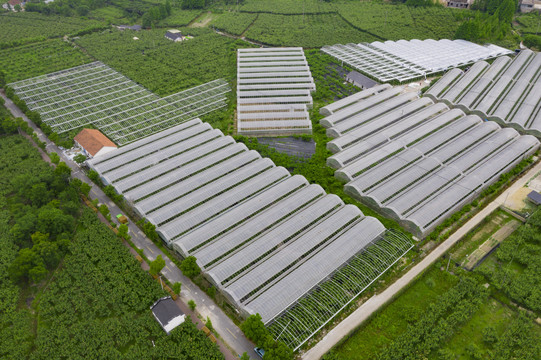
(94, 94)
(266, 239)
(409, 60)
(415, 160)
(508, 91)
(274, 88)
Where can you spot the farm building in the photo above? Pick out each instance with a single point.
(507, 91)
(167, 313)
(93, 143)
(460, 4)
(12, 3)
(174, 35)
(360, 80)
(535, 197)
(274, 87)
(414, 160)
(530, 5)
(250, 223)
(408, 60)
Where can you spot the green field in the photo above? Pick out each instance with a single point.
(309, 31)
(180, 17)
(316, 23)
(17, 27)
(27, 61)
(234, 22)
(162, 66)
(288, 6)
(529, 23)
(485, 325)
(395, 22)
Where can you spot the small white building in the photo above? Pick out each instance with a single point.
(93, 143)
(167, 313)
(530, 5)
(174, 35)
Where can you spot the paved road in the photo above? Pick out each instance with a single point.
(350, 323)
(228, 331)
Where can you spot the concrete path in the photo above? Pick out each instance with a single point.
(350, 323)
(224, 326)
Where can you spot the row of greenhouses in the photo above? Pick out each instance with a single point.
(507, 91)
(268, 240)
(94, 94)
(408, 60)
(414, 160)
(274, 88)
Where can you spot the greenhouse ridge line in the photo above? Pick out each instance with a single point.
(266, 252)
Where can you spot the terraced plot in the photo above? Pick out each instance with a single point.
(508, 91)
(265, 238)
(415, 160)
(122, 109)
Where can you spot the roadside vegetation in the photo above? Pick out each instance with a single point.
(57, 258)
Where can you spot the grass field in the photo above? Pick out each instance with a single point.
(472, 241)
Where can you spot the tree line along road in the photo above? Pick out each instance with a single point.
(232, 336)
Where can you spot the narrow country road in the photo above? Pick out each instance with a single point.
(350, 323)
(224, 326)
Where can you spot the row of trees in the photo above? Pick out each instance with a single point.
(255, 330)
(155, 14)
(493, 24)
(522, 249)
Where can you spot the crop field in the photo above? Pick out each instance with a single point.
(180, 17)
(123, 110)
(316, 23)
(234, 22)
(162, 66)
(110, 13)
(19, 26)
(529, 23)
(394, 22)
(37, 59)
(288, 6)
(308, 31)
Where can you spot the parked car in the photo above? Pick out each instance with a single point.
(259, 351)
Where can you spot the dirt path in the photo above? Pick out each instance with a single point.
(202, 21)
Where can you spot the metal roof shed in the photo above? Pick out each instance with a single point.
(167, 313)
